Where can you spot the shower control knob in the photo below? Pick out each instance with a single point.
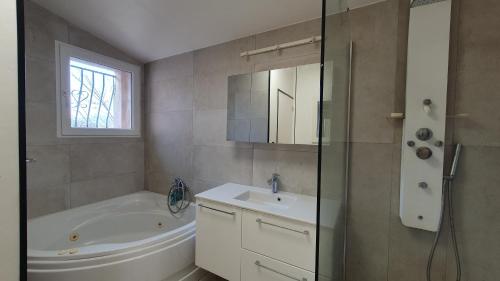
(424, 153)
(424, 134)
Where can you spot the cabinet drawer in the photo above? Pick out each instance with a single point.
(257, 267)
(218, 239)
(285, 240)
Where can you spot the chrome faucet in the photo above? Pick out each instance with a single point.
(274, 182)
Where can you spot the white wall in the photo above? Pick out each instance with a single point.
(9, 178)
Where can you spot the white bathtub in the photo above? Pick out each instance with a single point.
(129, 238)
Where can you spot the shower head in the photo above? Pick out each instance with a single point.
(416, 3)
(454, 164)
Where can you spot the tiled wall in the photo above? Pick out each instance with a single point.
(186, 111)
(379, 248)
(69, 172)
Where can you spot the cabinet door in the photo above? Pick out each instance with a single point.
(255, 267)
(282, 239)
(218, 239)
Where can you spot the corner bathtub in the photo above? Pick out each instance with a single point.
(128, 238)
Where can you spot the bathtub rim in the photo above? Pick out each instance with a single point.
(47, 256)
(40, 266)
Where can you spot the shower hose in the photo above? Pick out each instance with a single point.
(179, 196)
(446, 198)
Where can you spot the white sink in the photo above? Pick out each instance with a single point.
(274, 200)
(283, 204)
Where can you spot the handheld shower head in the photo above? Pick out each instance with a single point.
(416, 3)
(454, 164)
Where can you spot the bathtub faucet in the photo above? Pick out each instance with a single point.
(274, 182)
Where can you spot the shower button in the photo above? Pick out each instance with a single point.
(424, 134)
(424, 153)
(423, 185)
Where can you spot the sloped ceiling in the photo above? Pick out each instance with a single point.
(152, 29)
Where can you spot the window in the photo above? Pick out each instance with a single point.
(96, 95)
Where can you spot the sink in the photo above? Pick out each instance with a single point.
(274, 200)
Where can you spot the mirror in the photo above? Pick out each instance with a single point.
(276, 106)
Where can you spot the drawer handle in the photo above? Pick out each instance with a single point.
(305, 232)
(217, 210)
(257, 263)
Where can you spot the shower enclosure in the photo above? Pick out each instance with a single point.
(334, 141)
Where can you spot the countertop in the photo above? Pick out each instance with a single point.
(303, 209)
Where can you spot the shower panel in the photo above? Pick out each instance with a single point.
(425, 117)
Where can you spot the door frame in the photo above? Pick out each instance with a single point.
(21, 68)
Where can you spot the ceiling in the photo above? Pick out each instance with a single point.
(152, 29)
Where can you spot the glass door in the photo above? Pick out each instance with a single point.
(334, 141)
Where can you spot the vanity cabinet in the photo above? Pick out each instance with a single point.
(256, 267)
(218, 239)
(240, 244)
(281, 239)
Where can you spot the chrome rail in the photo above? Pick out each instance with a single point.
(257, 263)
(217, 210)
(305, 232)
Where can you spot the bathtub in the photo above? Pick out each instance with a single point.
(128, 238)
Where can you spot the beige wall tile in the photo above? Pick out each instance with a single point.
(170, 68)
(199, 186)
(51, 166)
(85, 40)
(224, 57)
(170, 95)
(477, 75)
(374, 35)
(476, 207)
(288, 34)
(40, 81)
(173, 127)
(409, 250)
(50, 199)
(210, 91)
(42, 29)
(94, 190)
(172, 159)
(209, 127)
(41, 123)
(368, 212)
(222, 164)
(159, 182)
(297, 170)
(90, 161)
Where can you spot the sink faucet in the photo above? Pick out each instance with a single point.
(274, 182)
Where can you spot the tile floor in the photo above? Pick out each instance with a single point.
(212, 277)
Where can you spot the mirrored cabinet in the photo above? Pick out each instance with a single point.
(276, 106)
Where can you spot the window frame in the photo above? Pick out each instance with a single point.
(63, 53)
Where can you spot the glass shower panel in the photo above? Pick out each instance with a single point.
(334, 148)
